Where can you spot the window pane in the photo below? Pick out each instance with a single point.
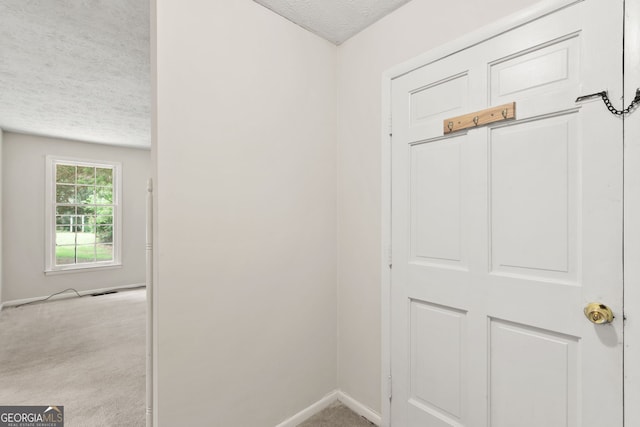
(104, 176)
(104, 220)
(86, 210)
(91, 229)
(65, 255)
(86, 175)
(63, 220)
(64, 236)
(104, 234)
(86, 194)
(86, 238)
(65, 193)
(85, 253)
(62, 229)
(66, 174)
(84, 228)
(72, 220)
(104, 210)
(104, 195)
(65, 210)
(82, 221)
(104, 252)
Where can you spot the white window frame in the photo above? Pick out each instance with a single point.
(50, 215)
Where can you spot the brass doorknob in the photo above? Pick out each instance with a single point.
(598, 313)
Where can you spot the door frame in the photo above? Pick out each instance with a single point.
(631, 204)
(631, 222)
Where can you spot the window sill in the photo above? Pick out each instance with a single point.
(82, 269)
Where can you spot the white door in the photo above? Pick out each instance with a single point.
(502, 234)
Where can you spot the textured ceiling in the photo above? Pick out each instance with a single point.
(334, 20)
(76, 69)
(79, 69)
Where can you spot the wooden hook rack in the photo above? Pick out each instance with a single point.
(480, 118)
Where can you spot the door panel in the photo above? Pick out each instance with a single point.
(532, 192)
(443, 366)
(451, 90)
(521, 355)
(436, 203)
(502, 234)
(538, 75)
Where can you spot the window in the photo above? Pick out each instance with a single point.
(83, 214)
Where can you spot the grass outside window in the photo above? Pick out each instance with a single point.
(85, 210)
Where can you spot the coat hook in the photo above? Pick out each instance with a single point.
(484, 117)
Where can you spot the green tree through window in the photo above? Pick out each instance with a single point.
(84, 210)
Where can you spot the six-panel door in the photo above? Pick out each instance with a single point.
(502, 234)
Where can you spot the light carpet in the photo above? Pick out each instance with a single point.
(337, 415)
(86, 354)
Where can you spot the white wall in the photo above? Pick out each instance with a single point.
(413, 29)
(23, 222)
(246, 215)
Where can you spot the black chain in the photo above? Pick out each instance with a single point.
(613, 110)
(607, 102)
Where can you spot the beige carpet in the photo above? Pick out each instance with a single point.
(337, 415)
(86, 354)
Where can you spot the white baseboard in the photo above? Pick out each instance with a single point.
(69, 294)
(330, 398)
(359, 408)
(310, 411)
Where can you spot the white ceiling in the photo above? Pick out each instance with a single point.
(334, 20)
(76, 69)
(79, 69)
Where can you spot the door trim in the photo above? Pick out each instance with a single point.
(631, 236)
(632, 210)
